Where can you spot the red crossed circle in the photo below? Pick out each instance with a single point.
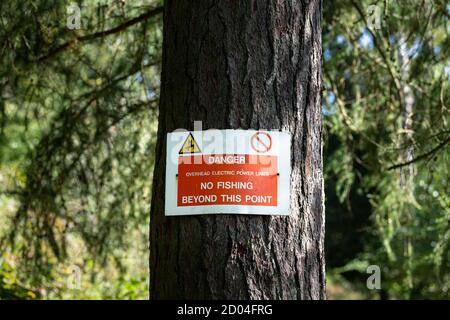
(261, 142)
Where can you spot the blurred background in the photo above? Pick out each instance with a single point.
(79, 87)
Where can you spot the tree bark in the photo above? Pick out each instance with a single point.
(243, 64)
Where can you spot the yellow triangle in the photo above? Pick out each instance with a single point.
(189, 146)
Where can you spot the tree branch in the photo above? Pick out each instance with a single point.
(90, 37)
(379, 48)
(442, 8)
(422, 156)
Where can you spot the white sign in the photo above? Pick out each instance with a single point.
(228, 171)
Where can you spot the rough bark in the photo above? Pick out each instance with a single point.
(243, 64)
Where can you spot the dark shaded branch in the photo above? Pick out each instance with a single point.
(104, 33)
(422, 156)
(12, 193)
(442, 8)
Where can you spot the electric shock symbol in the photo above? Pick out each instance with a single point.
(189, 145)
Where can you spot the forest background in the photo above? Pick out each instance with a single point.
(78, 121)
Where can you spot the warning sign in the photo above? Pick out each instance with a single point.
(227, 179)
(228, 171)
(189, 145)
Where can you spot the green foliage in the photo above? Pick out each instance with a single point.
(78, 128)
(9, 286)
(398, 159)
(78, 118)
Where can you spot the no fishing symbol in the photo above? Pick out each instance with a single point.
(261, 142)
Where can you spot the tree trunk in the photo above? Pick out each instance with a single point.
(243, 64)
(407, 173)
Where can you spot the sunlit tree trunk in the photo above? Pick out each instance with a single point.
(243, 64)
(407, 172)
